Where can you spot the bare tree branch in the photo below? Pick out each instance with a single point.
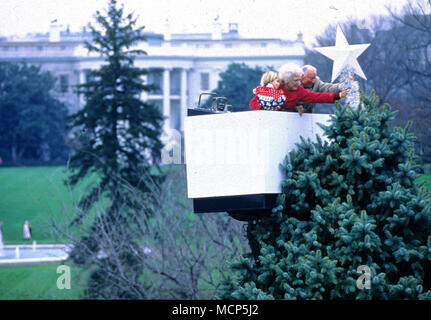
(182, 255)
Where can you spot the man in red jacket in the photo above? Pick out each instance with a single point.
(290, 78)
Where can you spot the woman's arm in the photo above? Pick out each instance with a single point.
(317, 97)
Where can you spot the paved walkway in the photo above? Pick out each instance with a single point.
(33, 253)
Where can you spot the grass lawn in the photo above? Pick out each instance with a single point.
(427, 179)
(36, 282)
(35, 194)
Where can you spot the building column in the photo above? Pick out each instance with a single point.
(166, 97)
(214, 78)
(144, 94)
(183, 104)
(81, 81)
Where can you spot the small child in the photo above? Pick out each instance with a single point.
(268, 95)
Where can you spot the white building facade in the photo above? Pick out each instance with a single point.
(190, 62)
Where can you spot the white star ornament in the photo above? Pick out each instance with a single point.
(344, 55)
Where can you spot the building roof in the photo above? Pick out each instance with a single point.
(85, 35)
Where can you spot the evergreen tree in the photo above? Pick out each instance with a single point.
(120, 131)
(118, 139)
(237, 83)
(117, 134)
(32, 119)
(347, 204)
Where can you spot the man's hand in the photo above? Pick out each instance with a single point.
(300, 108)
(344, 93)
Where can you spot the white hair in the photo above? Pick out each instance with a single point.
(308, 67)
(288, 71)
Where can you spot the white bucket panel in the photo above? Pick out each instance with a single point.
(240, 153)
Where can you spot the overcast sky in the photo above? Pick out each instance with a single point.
(256, 18)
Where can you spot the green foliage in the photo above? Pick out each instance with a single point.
(116, 133)
(32, 120)
(237, 84)
(346, 202)
(117, 136)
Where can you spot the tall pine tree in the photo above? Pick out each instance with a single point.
(347, 206)
(118, 140)
(117, 134)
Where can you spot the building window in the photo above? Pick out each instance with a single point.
(39, 48)
(205, 81)
(64, 83)
(5, 48)
(155, 79)
(263, 44)
(228, 45)
(175, 82)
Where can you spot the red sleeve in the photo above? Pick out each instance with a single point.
(254, 104)
(315, 97)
